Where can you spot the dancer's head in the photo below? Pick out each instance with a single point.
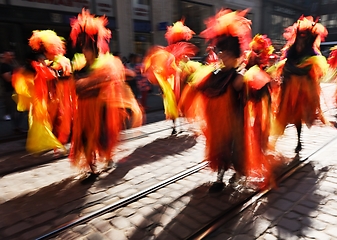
(89, 34)
(260, 51)
(228, 50)
(229, 32)
(47, 42)
(304, 36)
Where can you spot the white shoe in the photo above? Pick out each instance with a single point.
(7, 118)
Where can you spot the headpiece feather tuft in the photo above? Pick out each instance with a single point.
(262, 46)
(227, 22)
(48, 41)
(305, 25)
(178, 32)
(92, 28)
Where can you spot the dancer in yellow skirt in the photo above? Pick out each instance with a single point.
(163, 66)
(46, 93)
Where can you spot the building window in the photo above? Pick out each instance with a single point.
(278, 24)
(143, 2)
(324, 19)
(332, 21)
(194, 15)
(142, 42)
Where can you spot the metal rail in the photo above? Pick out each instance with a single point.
(227, 215)
(126, 201)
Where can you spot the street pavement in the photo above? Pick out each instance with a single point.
(43, 198)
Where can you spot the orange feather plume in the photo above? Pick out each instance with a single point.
(332, 59)
(228, 22)
(178, 32)
(47, 40)
(305, 24)
(91, 26)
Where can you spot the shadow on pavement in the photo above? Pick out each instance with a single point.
(286, 211)
(154, 151)
(35, 214)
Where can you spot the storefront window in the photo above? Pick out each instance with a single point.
(279, 23)
(142, 43)
(195, 15)
(144, 2)
(142, 26)
(113, 41)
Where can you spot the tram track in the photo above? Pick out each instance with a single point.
(216, 222)
(229, 214)
(125, 201)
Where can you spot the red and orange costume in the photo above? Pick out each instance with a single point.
(234, 110)
(102, 95)
(258, 112)
(301, 70)
(163, 65)
(47, 94)
(331, 75)
(211, 97)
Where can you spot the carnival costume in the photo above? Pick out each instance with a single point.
(301, 70)
(47, 93)
(211, 97)
(258, 112)
(102, 95)
(332, 72)
(163, 65)
(332, 59)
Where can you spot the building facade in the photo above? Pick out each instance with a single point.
(326, 10)
(135, 24)
(138, 24)
(280, 14)
(195, 12)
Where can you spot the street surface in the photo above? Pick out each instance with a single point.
(41, 199)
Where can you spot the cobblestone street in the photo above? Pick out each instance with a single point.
(43, 198)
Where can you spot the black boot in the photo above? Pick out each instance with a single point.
(298, 147)
(218, 186)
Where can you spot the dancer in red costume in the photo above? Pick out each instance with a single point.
(331, 75)
(301, 70)
(47, 94)
(258, 113)
(163, 66)
(102, 95)
(214, 94)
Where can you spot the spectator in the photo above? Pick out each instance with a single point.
(131, 80)
(143, 83)
(7, 67)
(6, 70)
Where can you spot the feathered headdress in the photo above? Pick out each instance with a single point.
(305, 25)
(87, 28)
(47, 41)
(332, 59)
(228, 23)
(262, 46)
(178, 32)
